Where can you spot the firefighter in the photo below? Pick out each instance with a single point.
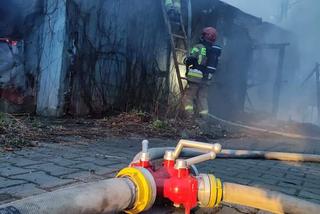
(173, 9)
(201, 65)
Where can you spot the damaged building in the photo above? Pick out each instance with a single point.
(80, 57)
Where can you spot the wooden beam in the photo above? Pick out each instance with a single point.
(278, 82)
(317, 69)
(270, 46)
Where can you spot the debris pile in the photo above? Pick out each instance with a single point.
(14, 133)
(143, 124)
(22, 131)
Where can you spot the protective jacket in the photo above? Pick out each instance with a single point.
(203, 60)
(173, 5)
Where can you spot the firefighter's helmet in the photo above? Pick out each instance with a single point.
(209, 34)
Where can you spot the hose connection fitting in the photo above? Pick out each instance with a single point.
(145, 156)
(145, 192)
(209, 191)
(175, 179)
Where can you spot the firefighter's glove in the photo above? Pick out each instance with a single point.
(191, 62)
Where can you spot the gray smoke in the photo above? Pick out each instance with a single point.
(301, 17)
(15, 15)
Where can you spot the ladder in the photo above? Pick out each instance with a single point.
(178, 36)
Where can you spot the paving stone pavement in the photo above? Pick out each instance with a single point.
(32, 171)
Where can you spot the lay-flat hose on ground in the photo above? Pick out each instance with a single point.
(267, 200)
(157, 153)
(283, 156)
(261, 130)
(108, 196)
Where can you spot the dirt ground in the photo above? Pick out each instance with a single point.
(18, 131)
(43, 154)
(25, 131)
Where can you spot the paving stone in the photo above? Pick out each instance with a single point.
(221, 171)
(249, 174)
(35, 152)
(3, 155)
(296, 172)
(230, 164)
(10, 170)
(290, 176)
(267, 163)
(315, 190)
(95, 169)
(314, 171)
(8, 182)
(308, 194)
(43, 180)
(23, 190)
(312, 184)
(72, 156)
(118, 165)
(99, 161)
(64, 162)
(101, 158)
(43, 150)
(265, 180)
(296, 169)
(224, 166)
(248, 161)
(276, 174)
(290, 183)
(280, 167)
(286, 190)
(3, 161)
(83, 176)
(259, 168)
(283, 180)
(21, 153)
(53, 169)
(124, 159)
(39, 158)
(21, 162)
(6, 198)
(4, 164)
(313, 177)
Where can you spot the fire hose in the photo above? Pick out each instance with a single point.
(157, 153)
(139, 185)
(262, 130)
(108, 196)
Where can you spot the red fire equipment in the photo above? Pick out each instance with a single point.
(176, 183)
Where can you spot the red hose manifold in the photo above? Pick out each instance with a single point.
(175, 182)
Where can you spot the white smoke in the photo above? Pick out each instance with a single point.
(301, 17)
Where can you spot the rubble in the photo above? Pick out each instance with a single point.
(14, 133)
(20, 131)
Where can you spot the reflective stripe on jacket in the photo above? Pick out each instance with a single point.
(173, 4)
(200, 52)
(194, 73)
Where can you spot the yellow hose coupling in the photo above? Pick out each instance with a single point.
(209, 190)
(145, 188)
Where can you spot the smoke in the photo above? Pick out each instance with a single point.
(13, 16)
(301, 18)
(268, 12)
